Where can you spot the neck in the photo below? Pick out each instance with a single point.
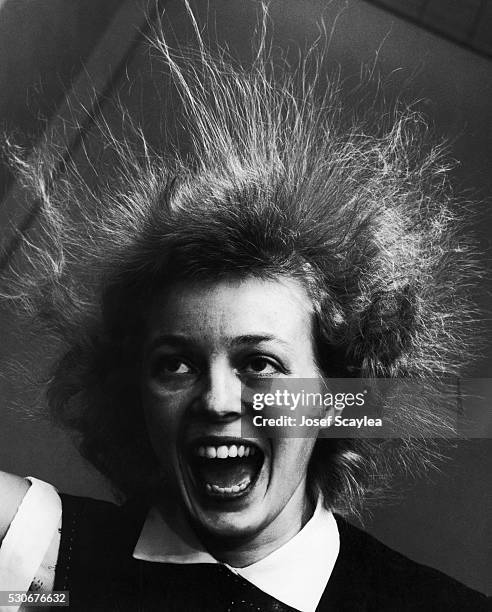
(241, 552)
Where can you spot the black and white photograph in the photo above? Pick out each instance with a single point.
(245, 288)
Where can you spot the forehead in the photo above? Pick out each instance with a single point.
(230, 308)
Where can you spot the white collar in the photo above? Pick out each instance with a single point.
(296, 573)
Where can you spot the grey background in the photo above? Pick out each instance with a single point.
(443, 521)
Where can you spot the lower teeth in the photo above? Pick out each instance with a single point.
(215, 489)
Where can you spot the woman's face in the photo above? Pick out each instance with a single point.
(203, 341)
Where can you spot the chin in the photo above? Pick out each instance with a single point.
(232, 526)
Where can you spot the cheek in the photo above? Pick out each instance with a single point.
(162, 418)
(292, 458)
(163, 433)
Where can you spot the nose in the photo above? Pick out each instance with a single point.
(220, 399)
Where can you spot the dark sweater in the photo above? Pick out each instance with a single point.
(96, 565)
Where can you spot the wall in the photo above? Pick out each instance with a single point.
(43, 46)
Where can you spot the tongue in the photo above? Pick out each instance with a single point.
(225, 472)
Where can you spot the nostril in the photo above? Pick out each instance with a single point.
(222, 416)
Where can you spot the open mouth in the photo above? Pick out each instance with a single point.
(225, 469)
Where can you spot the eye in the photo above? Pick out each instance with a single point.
(176, 366)
(262, 366)
(170, 366)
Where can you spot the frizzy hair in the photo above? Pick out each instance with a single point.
(275, 181)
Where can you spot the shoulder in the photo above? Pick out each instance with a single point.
(387, 580)
(12, 491)
(98, 514)
(96, 524)
(97, 537)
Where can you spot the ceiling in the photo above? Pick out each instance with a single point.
(466, 22)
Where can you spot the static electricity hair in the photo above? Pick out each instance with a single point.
(275, 180)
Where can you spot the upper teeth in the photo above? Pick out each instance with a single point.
(223, 452)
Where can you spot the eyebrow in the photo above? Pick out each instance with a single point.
(255, 339)
(171, 340)
(176, 340)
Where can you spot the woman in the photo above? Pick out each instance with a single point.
(283, 244)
